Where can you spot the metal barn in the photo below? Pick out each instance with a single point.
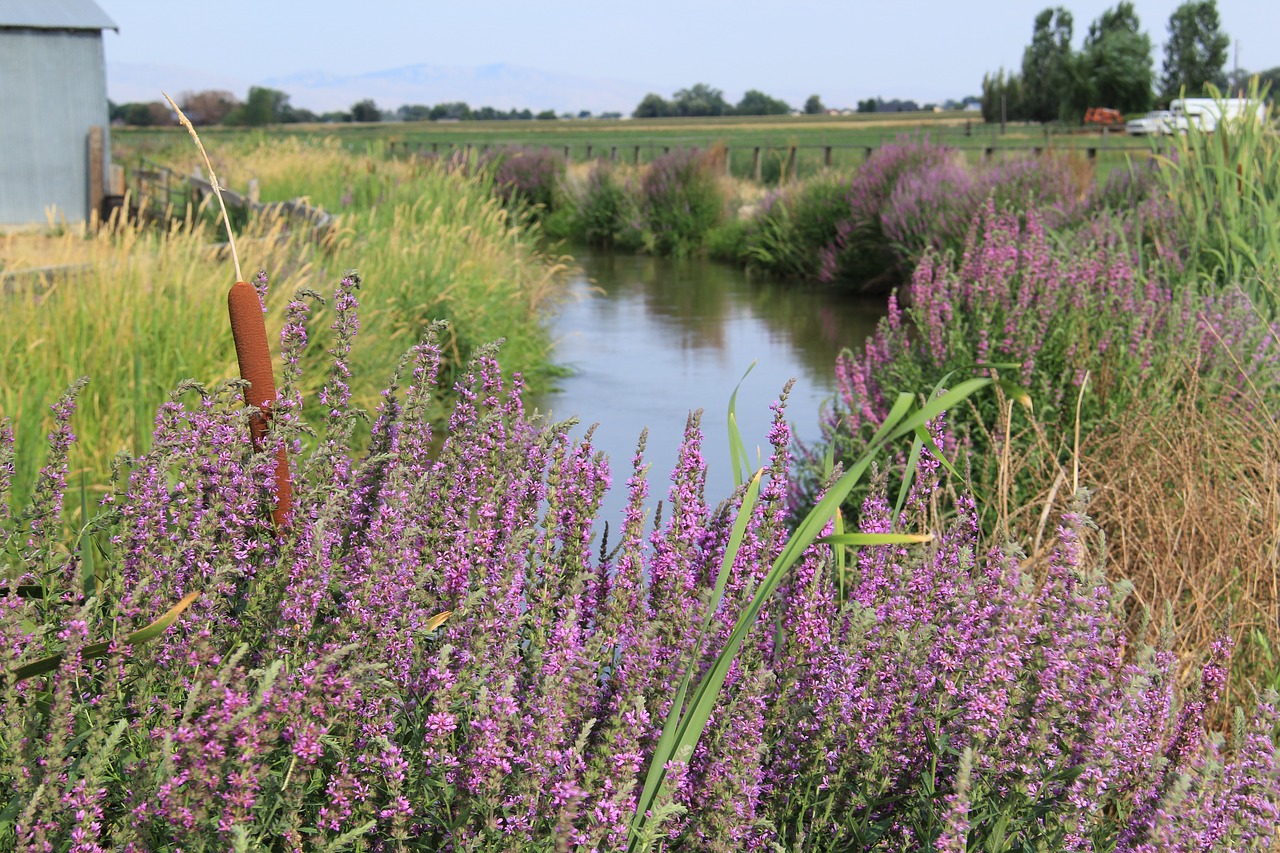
(53, 92)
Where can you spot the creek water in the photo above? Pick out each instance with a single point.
(647, 340)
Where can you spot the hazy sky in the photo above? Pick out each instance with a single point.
(922, 49)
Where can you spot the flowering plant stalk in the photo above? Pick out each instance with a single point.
(311, 697)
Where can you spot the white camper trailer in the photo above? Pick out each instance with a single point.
(1207, 113)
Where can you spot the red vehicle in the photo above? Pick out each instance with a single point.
(1103, 116)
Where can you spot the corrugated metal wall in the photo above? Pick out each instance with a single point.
(53, 88)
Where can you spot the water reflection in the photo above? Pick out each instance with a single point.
(650, 339)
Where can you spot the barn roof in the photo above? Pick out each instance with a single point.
(54, 15)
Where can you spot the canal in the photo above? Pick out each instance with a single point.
(647, 340)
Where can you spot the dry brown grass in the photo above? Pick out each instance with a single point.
(1186, 498)
(1189, 497)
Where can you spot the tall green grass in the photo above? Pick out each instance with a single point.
(144, 308)
(137, 310)
(1226, 188)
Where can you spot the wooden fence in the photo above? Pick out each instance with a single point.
(159, 193)
(787, 155)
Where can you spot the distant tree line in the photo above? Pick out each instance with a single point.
(880, 105)
(271, 106)
(1114, 68)
(703, 100)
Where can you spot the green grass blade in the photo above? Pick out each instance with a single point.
(737, 449)
(667, 742)
(99, 650)
(876, 539)
(87, 577)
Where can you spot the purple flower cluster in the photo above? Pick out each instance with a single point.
(309, 696)
(680, 201)
(1055, 310)
(524, 174)
(913, 196)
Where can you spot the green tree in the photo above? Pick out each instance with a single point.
(652, 106)
(365, 110)
(414, 112)
(1196, 51)
(1002, 97)
(290, 114)
(263, 106)
(1046, 66)
(1269, 79)
(546, 115)
(456, 110)
(208, 107)
(757, 103)
(700, 100)
(813, 106)
(1114, 69)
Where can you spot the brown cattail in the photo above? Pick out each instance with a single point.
(250, 334)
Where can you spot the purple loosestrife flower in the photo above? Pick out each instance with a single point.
(302, 697)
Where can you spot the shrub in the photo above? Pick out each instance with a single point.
(913, 196)
(930, 208)
(526, 176)
(791, 226)
(607, 213)
(681, 201)
(1056, 314)
(310, 696)
(860, 252)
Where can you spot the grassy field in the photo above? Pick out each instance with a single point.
(848, 137)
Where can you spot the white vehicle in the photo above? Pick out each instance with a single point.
(1150, 123)
(1207, 113)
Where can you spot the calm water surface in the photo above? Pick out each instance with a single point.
(648, 340)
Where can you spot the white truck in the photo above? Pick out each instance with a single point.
(1207, 113)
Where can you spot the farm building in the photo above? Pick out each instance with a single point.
(53, 91)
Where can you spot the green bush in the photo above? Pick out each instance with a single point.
(681, 201)
(786, 236)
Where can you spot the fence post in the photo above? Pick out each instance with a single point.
(588, 150)
(566, 153)
(988, 152)
(826, 156)
(666, 149)
(791, 163)
(635, 156)
(755, 163)
(97, 154)
(867, 154)
(1091, 153)
(435, 148)
(613, 154)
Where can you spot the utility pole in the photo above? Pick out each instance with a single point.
(1235, 72)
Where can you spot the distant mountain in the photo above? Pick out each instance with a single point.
(501, 86)
(129, 82)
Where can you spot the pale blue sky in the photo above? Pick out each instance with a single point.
(922, 49)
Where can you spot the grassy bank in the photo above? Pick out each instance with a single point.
(1143, 333)
(138, 309)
